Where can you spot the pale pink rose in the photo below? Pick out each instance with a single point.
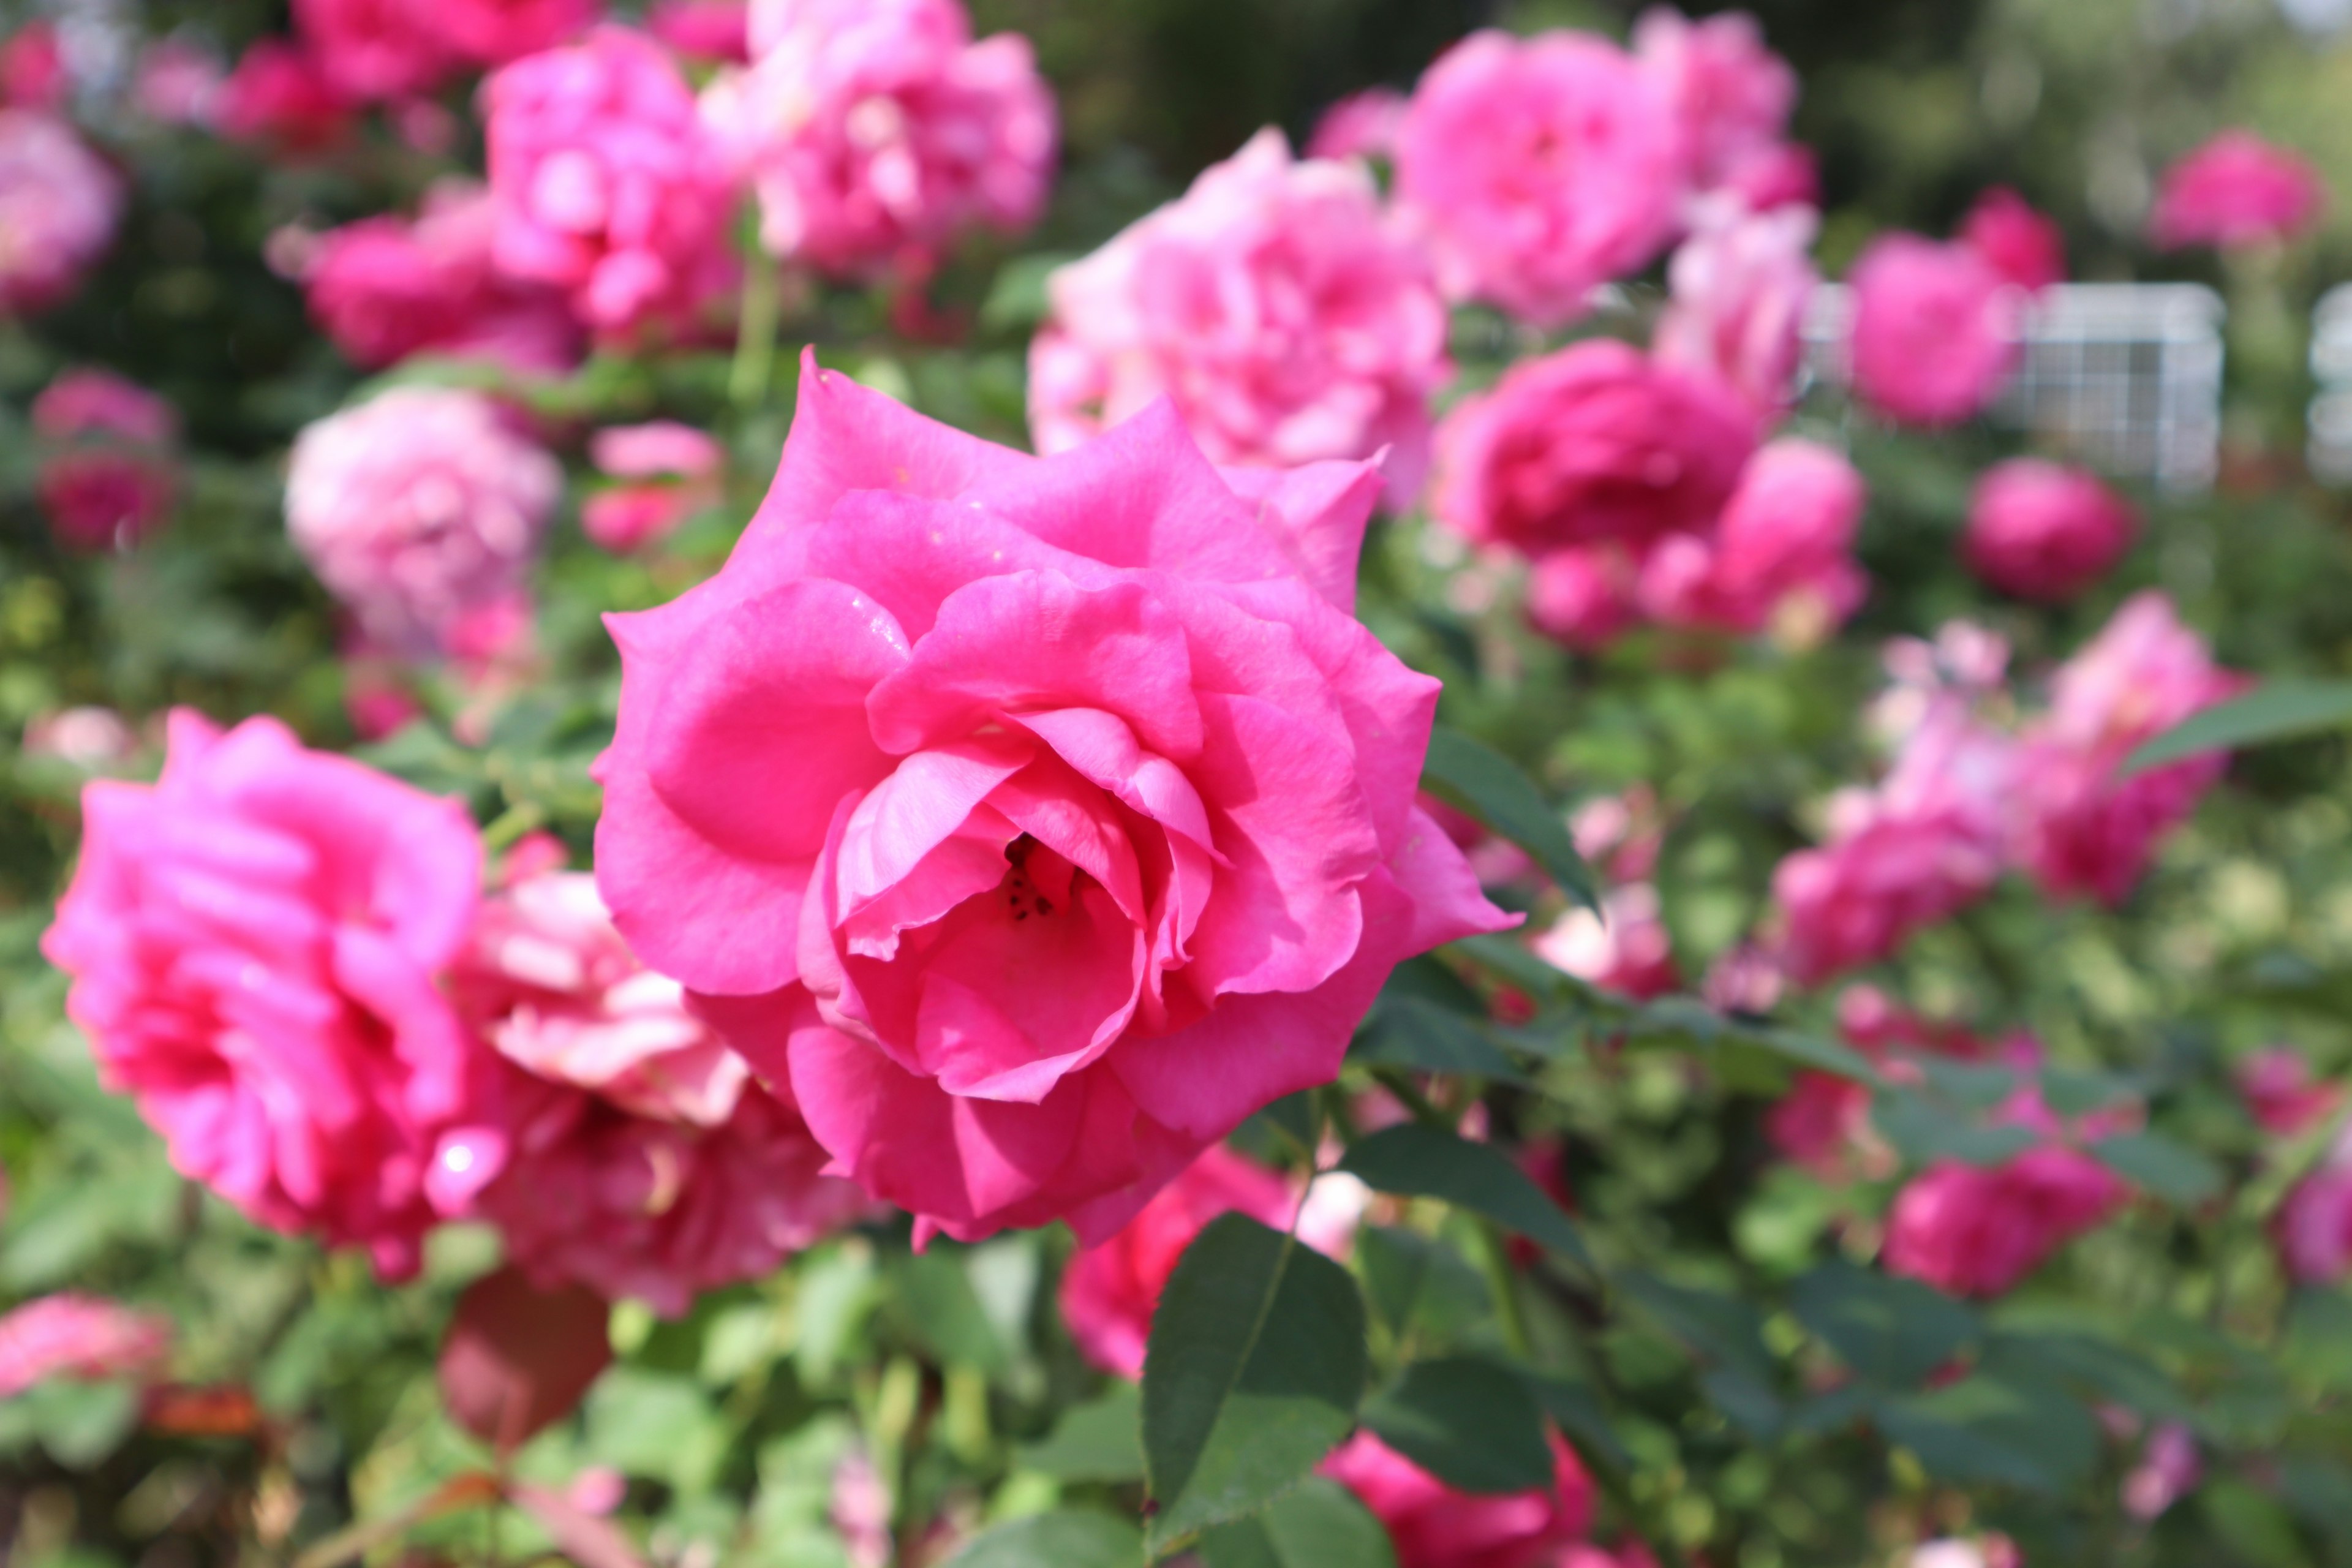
(1732, 95)
(877, 132)
(280, 94)
(2278, 1089)
(1625, 948)
(1096, 831)
(177, 83)
(1621, 835)
(1934, 330)
(99, 403)
(2045, 532)
(703, 29)
(859, 1511)
(1974, 1231)
(418, 508)
(1361, 125)
(2314, 1227)
(255, 942)
(1581, 596)
(1597, 444)
(90, 739)
(1744, 979)
(370, 50)
(2077, 828)
(2237, 191)
(58, 205)
(496, 32)
(2169, 1469)
(662, 449)
(673, 473)
(607, 186)
(386, 287)
(1434, 1526)
(33, 69)
(2016, 241)
(638, 1160)
(1109, 1292)
(1540, 168)
(1287, 316)
(1990, 1551)
(1786, 535)
(82, 1338)
(1738, 308)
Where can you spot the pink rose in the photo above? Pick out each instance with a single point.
(58, 205)
(1276, 305)
(495, 32)
(1109, 1292)
(278, 93)
(370, 50)
(254, 944)
(876, 132)
(1974, 1231)
(1541, 168)
(661, 449)
(2044, 532)
(703, 29)
(638, 1160)
(1099, 831)
(1732, 95)
(102, 499)
(1824, 1121)
(1785, 541)
(1581, 596)
(2278, 1089)
(177, 83)
(386, 287)
(1787, 175)
(1934, 330)
(1596, 443)
(33, 69)
(672, 473)
(418, 509)
(606, 186)
(2077, 828)
(2014, 240)
(2314, 1227)
(1740, 286)
(91, 739)
(1434, 1526)
(2237, 191)
(99, 403)
(82, 1338)
(1626, 947)
(1361, 125)
(2169, 1469)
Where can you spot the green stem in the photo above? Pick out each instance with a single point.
(755, 332)
(1504, 1285)
(1399, 1083)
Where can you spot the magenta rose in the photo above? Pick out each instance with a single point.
(2016, 241)
(280, 94)
(1934, 330)
(2042, 530)
(255, 943)
(1434, 1526)
(2237, 191)
(375, 49)
(1975, 1231)
(1036, 819)
(2313, 1227)
(1783, 548)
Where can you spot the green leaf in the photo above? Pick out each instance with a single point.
(1017, 300)
(2171, 1170)
(2278, 711)
(935, 1292)
(1068, 1539)
(1893, 1332)
(1473, 1424)
(1577, 1411)
(1320, 1525)
(2254, 1526)
(1417, 1161)
(1923, 1131)
(2107, 1372)
(1101, 1440)
(1411, 1280)
(1506, 800)
(1256, 1366)
(1985, 1431)
(1410, 1032)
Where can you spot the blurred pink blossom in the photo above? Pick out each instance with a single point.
(672, 472)
(859, 1511)
(89, 738)
(59, 203)
(98, 499)
(1540, 168)
(1289, 320)
(1977, 1231)
(255, 942)
(2281, 1093)
(2044, 532)
(1785, 541)
(1823, 1122)
(1581, 596)
(177, 83)
(82, 1338)
(875, 131)
(2234, 192)
(2014, 240)
(497, 32)
(1934, 330)
(278, 94)
(1361, 125)
(375, 49)
(2169, 1469)
(2314, 1226)
(99, 403)
(1732, 95)
(662, 448)
(1626, 947)
(418, 509)
(2076, 827)
(607, 186)
(33, 69)
(703, 29)
(1434, 1526)
(1739, 285)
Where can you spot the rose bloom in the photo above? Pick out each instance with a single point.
(1784, 543)
(1935, 331)
(254, 943)
(639, 1160)
(99, 403)
(876, 132)
(1626, 947)
(33, 69)
(2280, 1092)
(1434, 1526)
(2078, 828)
(494, 32)
(1109, 1292)
(1973, 1231)
(1540, 168)
(1596, 443)
(1736, 312)
(1361, 125)
(1824, 1121)
(82, 1338)
(177, 83)
(2044, 532)
(1097, 831)
(1276, 304)
(375, 49)
(2237, 191)
(58, 205)
(2314, 1227)
(98, 499)
(2017, 242)
(280, 94)
(1732, 95)
(2169, 1469)
(88, 738)
(418, 508)
(387, 288)
(607, 187)
(1581, 596)
(703, 29)
(670, 472)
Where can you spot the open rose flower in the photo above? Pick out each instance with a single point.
(1732, 95)
(2314, 1227)
(1740, 284)
(2235, 191)
(255, 943)
(1540, 168)
(278, 94)
(667, 472)
(82, 1338)
(1434, 1526)
(1934, 330)
(1038, 820)
(58, 207)
(1977, 1231)
(1783, 549)
(1285, 316)
(108, 478)
(2043, 530)
(2017, 242)
(375, 49)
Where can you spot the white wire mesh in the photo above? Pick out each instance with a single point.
(2331, 406)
